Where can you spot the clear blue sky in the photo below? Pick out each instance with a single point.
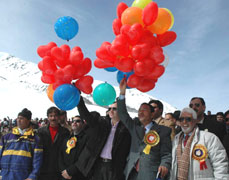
(199, 58)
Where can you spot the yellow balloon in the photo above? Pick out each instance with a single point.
(141, 3)
(172, 17)
(132, 15)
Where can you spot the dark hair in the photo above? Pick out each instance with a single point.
(25, 113)
(53, 109)
(171, 114)
(220, 113)
(200, 98)
(226, 113)
(77, 116)
(158, 103)
(63, 112)
(150, 106)
(176, 114)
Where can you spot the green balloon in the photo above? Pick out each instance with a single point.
(141, 3)
(104, 94)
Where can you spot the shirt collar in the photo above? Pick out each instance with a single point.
(148, 127)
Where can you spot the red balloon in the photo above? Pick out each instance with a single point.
(120, 46)
(86, 65)
(140, 51)
(133, 32)
(99, 63)
(167, 38)
(116, 25)
(124, 64)
(61, 55)
(144, 67)
(156, 54)
(45, 50)
(120, 8)
(66, 74)
(133, 81)
(148, 38)
(40, 65)
(49, 67)
(156, 73)
(48, 79)
(84, 84)
(76, 48)
(150, 13)
(146, 85)
(104, 52)
(76, 58)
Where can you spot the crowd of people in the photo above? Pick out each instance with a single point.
(184, 145)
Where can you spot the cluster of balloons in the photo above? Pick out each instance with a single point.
(66, 27)
(141, 31)
(61, 68)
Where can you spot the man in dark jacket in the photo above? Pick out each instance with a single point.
(104, 155)
(52, 137)
(206, 122)
(70, 150)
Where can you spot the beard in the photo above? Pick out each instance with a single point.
(187, 130)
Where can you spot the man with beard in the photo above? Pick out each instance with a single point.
(204, 122)
(70, 150)
(197, 154)
(52, 137)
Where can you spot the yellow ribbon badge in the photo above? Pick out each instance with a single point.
(71, 144)
(200, 153)
(151, 139)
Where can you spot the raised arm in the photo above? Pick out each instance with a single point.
(90, 118)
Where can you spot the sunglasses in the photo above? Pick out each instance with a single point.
(112, 108)
(196, 104)
(76, 121)
(188, 119)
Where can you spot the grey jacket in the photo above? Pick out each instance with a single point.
(217, 161)
(160, 155)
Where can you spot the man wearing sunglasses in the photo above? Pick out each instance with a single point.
(204, 122)
(107, 147)
(197, 154)
(70, 150)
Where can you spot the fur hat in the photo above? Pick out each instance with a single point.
(25, 113)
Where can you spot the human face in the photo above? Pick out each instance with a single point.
(62, 119)
(227, 119)
(53, 119)
(168, 117)
(22, 122)
(112, 111)
(77, 124)
(187, 126)
(144, 114)
(157, 111)
(196, 105)
(219, 118)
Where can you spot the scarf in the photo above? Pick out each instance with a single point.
(183, 159)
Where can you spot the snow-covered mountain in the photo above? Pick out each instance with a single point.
(20, 87)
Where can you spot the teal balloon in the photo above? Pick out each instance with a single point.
(104, 94)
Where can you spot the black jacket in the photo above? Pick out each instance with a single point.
(68, 161)
(211, 125)
(97, 134)
(49, 166)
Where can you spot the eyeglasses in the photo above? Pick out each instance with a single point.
(188, 119)
(76, 121)
(196, 104)
(112, 108)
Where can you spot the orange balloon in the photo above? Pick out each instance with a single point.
(50, 92)
(172, 17)
(162, 23)
(132, 15)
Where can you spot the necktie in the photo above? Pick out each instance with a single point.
(186, 140)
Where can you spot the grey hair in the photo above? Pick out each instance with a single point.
(190, 111)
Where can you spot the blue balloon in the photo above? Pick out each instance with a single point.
(66, 97)
(120, 76)
(104, 94)
(66, 27)
(111, 69)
